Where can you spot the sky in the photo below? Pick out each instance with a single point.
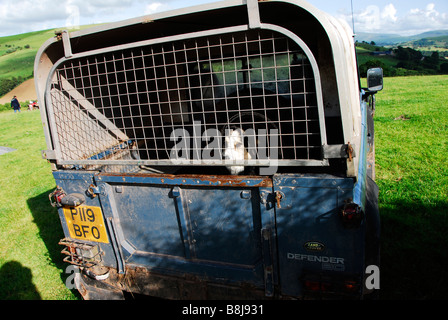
(403, 17)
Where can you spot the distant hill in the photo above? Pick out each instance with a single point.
(17, 54)
(25, 92)
(429, 44)
(395, 39)
(402, 60)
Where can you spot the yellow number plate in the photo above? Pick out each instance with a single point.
(86, 223)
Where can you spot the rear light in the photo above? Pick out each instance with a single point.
(345, 285)
(318, 286)
(351, 286)
(59, 198)
(56, 197)
(312, 285)
(352, 214)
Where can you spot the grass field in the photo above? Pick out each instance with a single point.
(30, 262)
(22, 48)
(412, 174)
(411, 126)
(17, 52)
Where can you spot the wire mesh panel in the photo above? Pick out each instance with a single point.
(191, 99)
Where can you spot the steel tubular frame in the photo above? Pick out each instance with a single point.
(129, 99)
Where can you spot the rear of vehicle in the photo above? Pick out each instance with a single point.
(220, 151)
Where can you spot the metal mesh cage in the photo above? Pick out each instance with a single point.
(183, 99)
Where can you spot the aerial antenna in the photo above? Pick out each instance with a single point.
(353, 19)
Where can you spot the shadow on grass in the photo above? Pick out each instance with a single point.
(50, 231)
(414, 255)
(16, 282)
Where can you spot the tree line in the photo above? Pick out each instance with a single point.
(6, 85)
(410, 62)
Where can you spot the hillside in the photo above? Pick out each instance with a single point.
(430, 44)
(17, 55)
(401, 60)
(383, 39)
(26, 91)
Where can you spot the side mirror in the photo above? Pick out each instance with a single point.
(375, 79)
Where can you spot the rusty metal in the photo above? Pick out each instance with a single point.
(80, 253)
(278, 198)
(92, 191)
(140, 280)
(56, 196)
(349, 151)
(194, 179)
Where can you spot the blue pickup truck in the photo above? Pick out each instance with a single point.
(214, 152)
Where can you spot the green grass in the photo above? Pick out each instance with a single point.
(411, 126)
(412, 174)
(30, 259)
(389, 62)
(364, 57)
(21, 61)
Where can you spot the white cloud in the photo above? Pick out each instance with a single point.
(18, 16)
(426, 19)
(369, 18)
(389, 13)
(374, 19)
(389, 20)
(154, 7)
(21, 16)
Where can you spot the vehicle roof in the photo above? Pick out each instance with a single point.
(330, 41)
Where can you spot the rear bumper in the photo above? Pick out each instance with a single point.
(142, 281)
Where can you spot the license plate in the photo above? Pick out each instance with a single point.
(86, 223)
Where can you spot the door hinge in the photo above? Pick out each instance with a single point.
(339, 151)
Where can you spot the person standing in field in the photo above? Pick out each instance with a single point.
(15, 104)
